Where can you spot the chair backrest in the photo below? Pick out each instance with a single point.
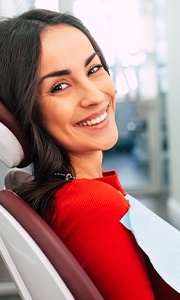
(40, 264)
(16, 177)
(32, 273)
(14, 148)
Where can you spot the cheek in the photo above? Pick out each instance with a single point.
(56, 117)
(111, 91)
(49, 113)
(54, 111)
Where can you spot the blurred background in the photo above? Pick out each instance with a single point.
(141, 44)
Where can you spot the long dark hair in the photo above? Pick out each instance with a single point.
(20, 50)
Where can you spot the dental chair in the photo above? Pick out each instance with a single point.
(40, 265)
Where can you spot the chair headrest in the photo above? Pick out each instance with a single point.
(14, 148)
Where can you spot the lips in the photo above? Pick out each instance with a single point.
(95, 119)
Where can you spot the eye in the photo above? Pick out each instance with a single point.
(94, 69)
(59, 87)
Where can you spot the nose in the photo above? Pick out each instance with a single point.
(90, 93)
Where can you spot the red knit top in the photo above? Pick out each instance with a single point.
(87, 219)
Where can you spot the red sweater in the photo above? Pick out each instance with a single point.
(87, 220)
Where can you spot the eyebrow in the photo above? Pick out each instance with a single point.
(66, 71)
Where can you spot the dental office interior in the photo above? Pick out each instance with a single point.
(141, 44)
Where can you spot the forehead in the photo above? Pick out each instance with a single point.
(63, 43)
(61, 30)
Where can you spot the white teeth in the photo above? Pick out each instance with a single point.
(95, 121)
(89, 123)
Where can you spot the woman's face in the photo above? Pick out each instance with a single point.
(77, 96)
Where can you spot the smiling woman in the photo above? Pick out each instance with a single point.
(77, 98)
(55, 81)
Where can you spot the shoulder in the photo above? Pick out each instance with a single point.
(90, 195)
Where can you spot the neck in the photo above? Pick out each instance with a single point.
(88, 165)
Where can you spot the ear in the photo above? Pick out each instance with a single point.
(14, 147)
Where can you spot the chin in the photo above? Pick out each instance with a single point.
(111, 143)
(108, 147)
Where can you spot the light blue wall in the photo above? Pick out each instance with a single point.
(173, 101)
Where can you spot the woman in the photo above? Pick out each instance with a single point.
(55, 80)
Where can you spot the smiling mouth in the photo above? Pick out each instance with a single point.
(94, 121)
